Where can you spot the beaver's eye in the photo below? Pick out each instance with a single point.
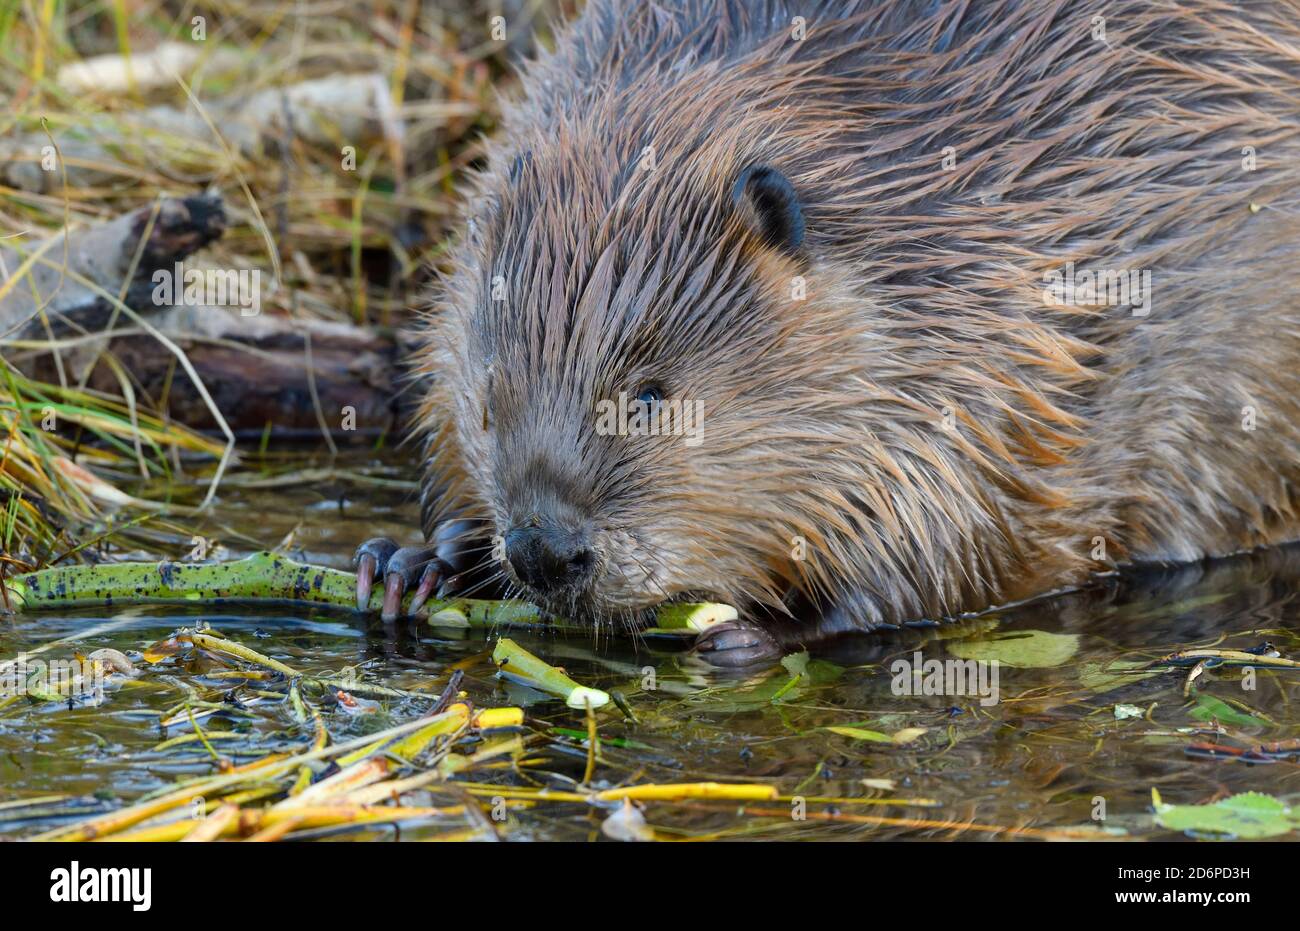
(650, 395)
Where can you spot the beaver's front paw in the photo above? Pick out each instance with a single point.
(736, 644)
(401, 568)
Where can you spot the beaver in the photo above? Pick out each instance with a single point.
(979, 300)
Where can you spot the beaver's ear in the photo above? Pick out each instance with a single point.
(769, 203)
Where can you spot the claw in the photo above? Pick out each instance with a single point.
(451, 585)
(370, 560)
(428, 579)
(367, 570)
(419, 569)
(394, 588)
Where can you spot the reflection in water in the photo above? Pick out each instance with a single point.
(1176, 605)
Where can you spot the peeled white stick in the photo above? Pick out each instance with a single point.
(116, 74)
(696, 616)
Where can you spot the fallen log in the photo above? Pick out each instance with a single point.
(267, 379)
(126, 251)
(344, 110)
(300, 378)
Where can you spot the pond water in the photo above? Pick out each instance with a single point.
(1079, 730)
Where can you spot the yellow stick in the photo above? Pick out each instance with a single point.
(323, 816)
(237, 650)
(214, 825)
(498, 717)
(117, 820)
(353, 777)
(673, 791)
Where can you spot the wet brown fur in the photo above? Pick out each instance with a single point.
(825, 417)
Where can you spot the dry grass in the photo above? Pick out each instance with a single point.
(339, 243)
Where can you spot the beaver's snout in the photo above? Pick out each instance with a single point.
(551, 560)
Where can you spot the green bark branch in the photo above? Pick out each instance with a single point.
(272, 579)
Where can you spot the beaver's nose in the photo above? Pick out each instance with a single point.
(549, 559)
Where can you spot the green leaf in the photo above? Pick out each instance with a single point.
(1027, 649)
(859, 733)
(624, 743)
(806, 674)
(1209, 708)
(1249, 815)
(1102, 677)
(821, 672)
(796, 663)
(904, 736)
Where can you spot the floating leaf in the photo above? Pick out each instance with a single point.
(796, 663)
(1027, 649)
(1124, 712)
(775, 689)
(1209, 708)
(821, 672)
(905, 736)
(157, 652)
(908, 734)
(1102, 677)
(623, 743)
(861, 733)
(1249, 815)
